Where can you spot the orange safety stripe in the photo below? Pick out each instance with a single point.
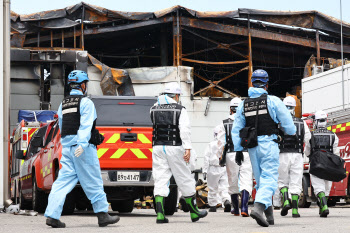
(114, 138)
(117, 154)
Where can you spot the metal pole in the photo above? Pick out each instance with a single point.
(82, 28)
(75, 38)
(250, 69)
(62, 38)
(178, 37)
(318, 51)
(5, 100)
(51, 37)
(342, 59)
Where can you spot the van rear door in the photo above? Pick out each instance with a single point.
(126, 125)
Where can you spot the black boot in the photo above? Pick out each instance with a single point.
(324, 211)
(212, 209)
(105, 219)
(269, 215)
(227, 206)
(184, 206)
(244, 203)
(258, 214)
(196, 214)
(235, 203)
(54, 223)
(286, 202)
(295, 200)
(160, 210)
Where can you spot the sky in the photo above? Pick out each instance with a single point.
(328, 7)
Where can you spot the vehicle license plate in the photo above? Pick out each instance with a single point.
(128, 176)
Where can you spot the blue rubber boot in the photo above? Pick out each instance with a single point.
(244, 203)
(235, 204)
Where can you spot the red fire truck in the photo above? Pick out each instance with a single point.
(326, 91)
(20, 139)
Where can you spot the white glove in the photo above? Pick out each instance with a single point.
(78, 151)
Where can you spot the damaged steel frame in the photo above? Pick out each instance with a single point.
(179, 57)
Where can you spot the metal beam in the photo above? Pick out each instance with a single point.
(250, 55)
(93, 31)
(267, 35)
(212, 84)
(215, 42)
(215, 63)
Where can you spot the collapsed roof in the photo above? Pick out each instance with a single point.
(70, 16)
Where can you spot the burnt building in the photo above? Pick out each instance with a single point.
(222, 47)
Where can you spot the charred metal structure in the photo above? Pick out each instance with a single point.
(223, 47)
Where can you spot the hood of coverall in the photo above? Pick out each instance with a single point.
(164, 99)
(254, 92)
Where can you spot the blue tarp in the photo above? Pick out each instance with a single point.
(41, 115)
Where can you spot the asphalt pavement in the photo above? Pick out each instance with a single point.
(144, 220)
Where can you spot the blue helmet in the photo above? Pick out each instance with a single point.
(77, 76)
(260, 78)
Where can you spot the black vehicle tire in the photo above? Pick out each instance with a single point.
(303, 203)
(125, 206)
(40, 198)
(81, 202)
(23, 203)
(69, 204)
(331, 202)
(170, 202)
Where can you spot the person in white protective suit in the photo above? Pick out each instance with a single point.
(172, 151)
(240, 175)
(291, 162)
(216, 175)
(325, 140)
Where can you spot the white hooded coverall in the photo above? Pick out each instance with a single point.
(291, 168)
(168, 160)
(321, 185)
(216, 175)
(239, 177)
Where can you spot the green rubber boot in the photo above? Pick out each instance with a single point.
(196, 214)
(295, 201)
(324, 211)
(160, 210)
(286, 202)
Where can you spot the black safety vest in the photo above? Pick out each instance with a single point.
(266, 125)
(165, 119)
(71, 115)
(228, 128)
(291, 143)
(324, 140)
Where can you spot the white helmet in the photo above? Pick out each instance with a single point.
(321, 119)
(172, 88)
(289, 101)
(235, 102)
(320, 115)
(216, 131)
